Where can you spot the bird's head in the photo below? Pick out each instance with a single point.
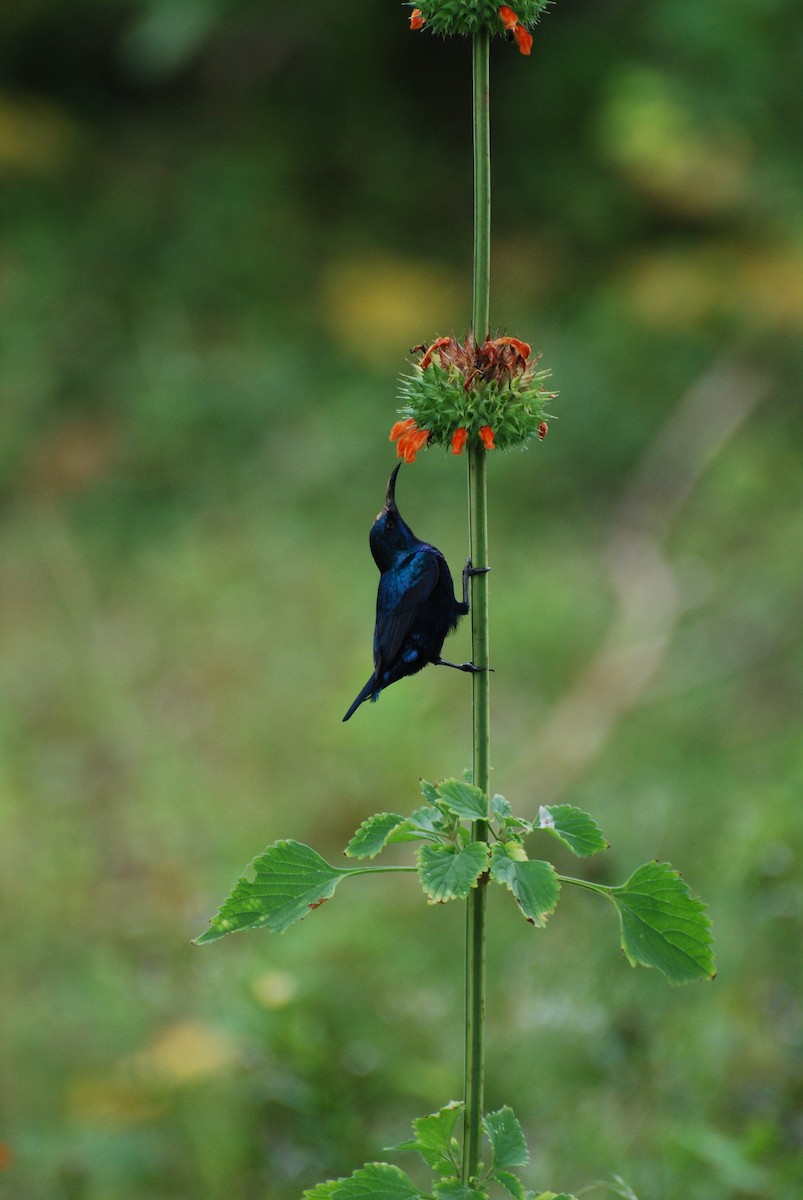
(389, 534)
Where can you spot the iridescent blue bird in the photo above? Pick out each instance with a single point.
(415, 606)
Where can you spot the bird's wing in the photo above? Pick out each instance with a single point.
(402, 591)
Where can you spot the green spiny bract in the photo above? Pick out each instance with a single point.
(492, 387)
(469, 16)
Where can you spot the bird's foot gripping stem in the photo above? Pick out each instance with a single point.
(468, 571)
(472, 668)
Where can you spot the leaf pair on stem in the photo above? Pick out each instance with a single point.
(436, 1141)
(661, 924)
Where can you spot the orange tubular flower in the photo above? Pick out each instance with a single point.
(487, 436)
(522, 347)
(417, 19)
(459, 440)
(524, 40)
(400, 428)
(410, 443)
(436, 345)
(410, 439)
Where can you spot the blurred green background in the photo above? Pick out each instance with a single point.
(223, 225)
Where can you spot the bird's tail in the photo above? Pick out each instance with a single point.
(370, 690)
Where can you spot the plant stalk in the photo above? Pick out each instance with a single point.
(474, 1080)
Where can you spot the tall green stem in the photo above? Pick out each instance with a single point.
(478, 542)
(482, 184)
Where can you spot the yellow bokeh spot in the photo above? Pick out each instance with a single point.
(136, 1086)
(273, 989)
(35, 136)
(757, 286)
(377, 306)
(184, 1052)
(648, 133)
(110, 1102)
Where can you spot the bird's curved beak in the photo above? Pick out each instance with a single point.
(390, 498)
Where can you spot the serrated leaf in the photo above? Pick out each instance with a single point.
(533, 882)
(453, 1189)
(464, 799)
(575, 828)
(373, 834)
(377, 1181)
(663, 925)
(501, 807)
(436, 1130)
(428, 791)
(323, 1191)
(426, 817)
(507, 1140)
(433, 1137)
(289, 880)
(406, 832)
(449, 874)
(511, 1183)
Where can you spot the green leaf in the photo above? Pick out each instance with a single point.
(323, 1191)
(553, 1196)
(501, 807)
(424, 818)
(433, 1137)
(663, 925)
(449, 874)
(429, 792)
(464, 799)
(504, 1133)
(377, 1181)
(428, 817)
(575, 828)
(372, 836)
(533, 882)
(511, 1183)
(434, 1133)
(453, 1189)
(289, 880)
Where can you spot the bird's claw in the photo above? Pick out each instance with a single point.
(468, 569)
(471, 667)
